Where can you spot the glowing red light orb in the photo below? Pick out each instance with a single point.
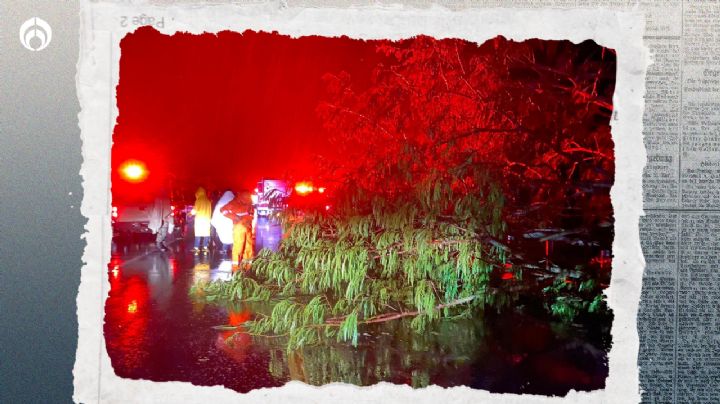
(133, 171)
(303, 188)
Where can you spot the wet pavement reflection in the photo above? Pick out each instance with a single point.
(155, 330)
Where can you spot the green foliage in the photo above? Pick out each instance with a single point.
(335, 274)
(568, 299)
(240, 289)
(420, 255)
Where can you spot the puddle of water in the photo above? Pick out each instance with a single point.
(155, 331)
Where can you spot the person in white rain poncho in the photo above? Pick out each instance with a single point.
(223, 225)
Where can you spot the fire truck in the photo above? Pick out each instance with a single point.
(270, 197)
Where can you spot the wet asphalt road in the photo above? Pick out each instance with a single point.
(155, 331)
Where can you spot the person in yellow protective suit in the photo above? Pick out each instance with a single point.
(202, 211)
(240, 210)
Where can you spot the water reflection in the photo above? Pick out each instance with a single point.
(154, 330)
(223, 272)
(268, 233)
(234, 341)
(127, 308)
(496, 352)
(201, 269)
(205, 271)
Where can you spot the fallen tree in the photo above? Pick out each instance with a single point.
(422, 257)
(432, 157)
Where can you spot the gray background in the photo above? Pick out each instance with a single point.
(40, 222)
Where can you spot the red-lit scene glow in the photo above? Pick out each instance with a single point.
(422, 211)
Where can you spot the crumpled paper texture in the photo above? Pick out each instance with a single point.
(103, 25)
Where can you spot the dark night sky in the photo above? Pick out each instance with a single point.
(225, 110)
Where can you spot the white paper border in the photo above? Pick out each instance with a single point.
(97, 78)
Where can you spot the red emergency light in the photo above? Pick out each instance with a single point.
(133, 171)
(303, 188)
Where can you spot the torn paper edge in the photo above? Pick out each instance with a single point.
(97, 78)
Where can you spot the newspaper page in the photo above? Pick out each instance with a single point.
(677, 321)
(678, 318)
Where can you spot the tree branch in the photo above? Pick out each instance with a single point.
(381, 318)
